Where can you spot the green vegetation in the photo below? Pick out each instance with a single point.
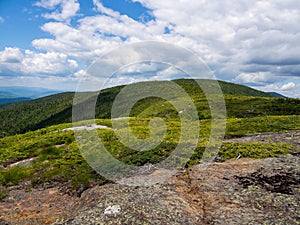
(241, 102)
(238, 127)
(254, 150)
(21, 117)
(14, 175)
(56, 157)
(3, 193)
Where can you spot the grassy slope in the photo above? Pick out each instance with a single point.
(57, 155)
(241, 101)
(58, 158)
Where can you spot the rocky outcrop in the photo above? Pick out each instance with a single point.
(243, 191)
(237, 191)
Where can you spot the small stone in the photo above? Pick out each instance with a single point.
(112, 209)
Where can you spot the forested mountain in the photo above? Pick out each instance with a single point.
(241, 101)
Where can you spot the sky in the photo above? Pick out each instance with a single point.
(51, 43)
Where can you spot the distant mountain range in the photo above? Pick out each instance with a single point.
(277, 94)
(18, 93)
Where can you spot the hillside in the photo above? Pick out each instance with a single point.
(44, 177)
(277, 94)
(241, 101)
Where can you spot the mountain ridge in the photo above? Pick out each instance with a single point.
(241, 101)
(277, 94)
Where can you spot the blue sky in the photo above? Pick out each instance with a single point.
(50, 43)
(22, 19)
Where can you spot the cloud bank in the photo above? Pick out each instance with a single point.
(254, 43)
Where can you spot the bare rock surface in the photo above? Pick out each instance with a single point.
(243, 191)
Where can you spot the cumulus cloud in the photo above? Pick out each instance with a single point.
(251, 43)
(80, 73)
(13, 62)
(100, 8)
(142, 68)
(289, 89)
(68, 9)
(11, 55)
(254, 43)
(231, 36)
(288, 86)
(144, 71)
(51, 63)
(258, 78)
(96, 35)
(83, 43)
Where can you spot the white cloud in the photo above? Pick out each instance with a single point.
(100, 8)
(253, 42)
(1, 20)
(10, 55)
(80, 73)
(288, 86)
(169, 74)
(232, 36)
(152, 70)
(290, 89)
(255, 78)
(229, 36)
(81, 43)
(68, 9)
(12, 61)
(149, 67)
(142, 71)
(48, 4)
(96, 35)
(51, 63)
